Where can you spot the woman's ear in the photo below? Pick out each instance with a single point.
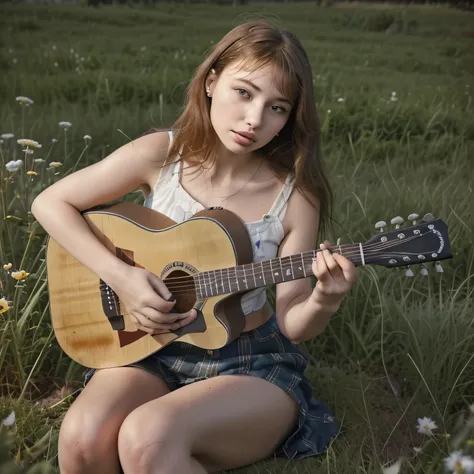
(211, 77)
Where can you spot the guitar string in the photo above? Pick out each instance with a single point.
(188, 282)
(355, 251)
(288, 265)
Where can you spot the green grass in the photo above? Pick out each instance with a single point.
(399, 348)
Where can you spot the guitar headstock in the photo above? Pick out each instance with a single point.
(425, 242)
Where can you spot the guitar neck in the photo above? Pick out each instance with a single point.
(267, 272)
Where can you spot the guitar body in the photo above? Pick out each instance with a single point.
(93, 327)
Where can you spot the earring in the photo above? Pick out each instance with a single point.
(209, 92)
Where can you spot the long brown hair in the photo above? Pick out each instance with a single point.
(297, 148)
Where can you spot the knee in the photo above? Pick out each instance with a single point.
(85, 440)
(151, 444)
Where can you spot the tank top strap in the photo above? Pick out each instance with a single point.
(283, 196)
(171, 171)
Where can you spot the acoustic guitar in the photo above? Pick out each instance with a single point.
(206, 262)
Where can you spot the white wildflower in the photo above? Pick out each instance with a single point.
(341, 99)
(10, 419)
(426, 426)
(54, 46)
(55, 164)
(56, 64)
(24, 100)
(459, 464)
(53, 140)
(29, 142)
(6, 136)
(393, 469)
(14, 60)
(38, 160)
(14, 166)
(329, 111)
(65, 125)
(87, 137)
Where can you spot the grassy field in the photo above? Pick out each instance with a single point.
(397, 114)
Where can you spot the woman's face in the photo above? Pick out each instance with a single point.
(238, 106)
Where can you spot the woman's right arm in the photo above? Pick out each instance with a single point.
(58, 207)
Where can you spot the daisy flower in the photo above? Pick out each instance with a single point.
(22, 100)
(29, 142)
(6, 136)
(393, 469)
(7, 266)
(459, 464)
(13, 166)
(9, 420)
(65, 125)
(32, 173)
(55, 164)
(87, 137)
(426, 426)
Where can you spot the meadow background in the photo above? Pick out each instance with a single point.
(394, 94)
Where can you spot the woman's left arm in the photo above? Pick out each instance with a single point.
(303, 312)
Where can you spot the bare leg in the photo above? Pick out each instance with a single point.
(225, 422)
(89, 431)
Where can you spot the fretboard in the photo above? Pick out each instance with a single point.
(255, 275)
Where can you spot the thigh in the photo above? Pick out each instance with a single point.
(109, 396)
(225, 422)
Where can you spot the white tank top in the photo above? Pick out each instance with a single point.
(171, 199)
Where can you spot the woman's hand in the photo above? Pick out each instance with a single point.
(335, 274)
(148, 301)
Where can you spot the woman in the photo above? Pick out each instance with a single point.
(249, 141)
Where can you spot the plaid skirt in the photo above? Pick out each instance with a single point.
(266, 353)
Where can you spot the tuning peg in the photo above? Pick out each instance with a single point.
(439, 268)
(424, 270)
(398, 221)
(409, 272)
(380, 225)
(413, 217)
(428, 217)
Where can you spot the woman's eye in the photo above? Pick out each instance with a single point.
(281, 108)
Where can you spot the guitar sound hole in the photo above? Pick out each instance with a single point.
(181, 285)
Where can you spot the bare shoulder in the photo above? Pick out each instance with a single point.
(300, 214)
(125, 170)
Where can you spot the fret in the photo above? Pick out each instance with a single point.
(253, 272)
(204, 282)
(263, 272)
(237, 279)
(291, 266)
(245, 278)
(228, 281)
(281, 268)
(215, 282)
(302, 264)
(196, 280)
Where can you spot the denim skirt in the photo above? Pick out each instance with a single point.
(263, 352)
